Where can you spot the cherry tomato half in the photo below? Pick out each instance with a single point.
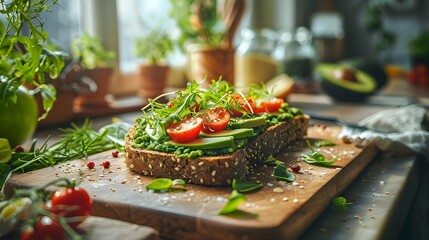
(216, 119)
(243, 105)
(186, 130)
(45, 228)
(268, 105)
(72, 202)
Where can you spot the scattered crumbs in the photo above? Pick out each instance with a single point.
(372, 217)
(295, 183)
(310, 168)
(303, 181)
(369, 209)
(338, 168)
(373, 205)
(124, 181)
(272, 199)
(322, 230)
(285, 199)
(357, 217)
(387, 193)
(323, 173)
(112, 189)
(94, 195)
(191, 194)
(140, 190)
(381, 182)
(295, 200)
(270, 184)
(306, 170)
(189, 199)
(278, 190)
(301, 187)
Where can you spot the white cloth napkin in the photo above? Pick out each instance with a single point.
(397, 131)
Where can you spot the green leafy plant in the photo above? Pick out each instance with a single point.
(374, 13)
(324, 143)
(234, 201)
(419, 44)
(24, 58)
(91, 52)
(155, 47)
(199, 21)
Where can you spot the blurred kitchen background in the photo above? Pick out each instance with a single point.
(324, 30)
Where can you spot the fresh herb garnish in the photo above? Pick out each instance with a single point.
(166, 185)
(339, 204)
(316, 158)
(233, 202)
(282, 174)
(75, 143)
(324, 143)
(246, 186)
(272, 161)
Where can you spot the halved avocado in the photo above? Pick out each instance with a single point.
(236, 133)
(372, 67)
(344, 83)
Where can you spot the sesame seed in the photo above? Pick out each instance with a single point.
(200, 163)
(295, 200)
(160, 164)
(278, 190)
(150, 166)
(285, 199)
(176, 168)
(214, 173)
(193, 167)
(226, 164)
(201, 180)
(301, 187)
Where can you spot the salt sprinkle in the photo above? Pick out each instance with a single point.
(285, 199)
(278, 190)
(295, 200)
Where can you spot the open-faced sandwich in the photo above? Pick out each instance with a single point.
(211, 136)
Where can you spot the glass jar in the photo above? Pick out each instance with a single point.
(254, 62)
(297, 56)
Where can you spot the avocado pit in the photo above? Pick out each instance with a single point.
(346, 74)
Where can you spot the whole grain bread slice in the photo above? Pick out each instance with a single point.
(216, 170)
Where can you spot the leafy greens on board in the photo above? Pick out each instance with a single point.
(76, 142)
(316, 158)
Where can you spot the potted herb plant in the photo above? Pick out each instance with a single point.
(97, 68)
(152, 74)
(207, 35)
(419, 48)
(25, 61)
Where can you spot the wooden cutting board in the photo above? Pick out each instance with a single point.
(120, 194)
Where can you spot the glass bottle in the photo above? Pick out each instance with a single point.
(297, 57)
(254, 62)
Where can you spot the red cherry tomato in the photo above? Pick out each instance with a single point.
(243, 105)
(45, 228)
(216, 119)
(186, 130)
(72, 202)
(268, 105)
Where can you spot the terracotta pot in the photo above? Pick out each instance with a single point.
(210, 63)
(98, 80)
(152, 80)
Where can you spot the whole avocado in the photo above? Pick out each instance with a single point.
(370, 66)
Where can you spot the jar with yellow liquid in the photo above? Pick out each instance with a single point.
(254, 62)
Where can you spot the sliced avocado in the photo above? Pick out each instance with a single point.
(236, 133)
(206, 143)
(345, 84)
(248, 123)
